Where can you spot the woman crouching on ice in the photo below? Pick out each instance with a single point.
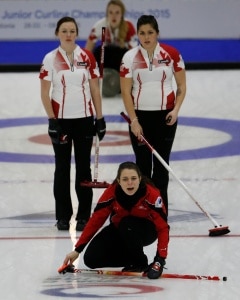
(137, 219)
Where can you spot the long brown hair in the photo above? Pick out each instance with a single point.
(123, 27)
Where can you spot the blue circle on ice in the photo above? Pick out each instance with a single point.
(230, 147)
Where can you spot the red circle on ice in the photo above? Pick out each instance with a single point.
(112, 138)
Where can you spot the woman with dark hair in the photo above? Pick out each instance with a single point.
(137, 219)
(71, 97)
(120, 36)
(147, 76)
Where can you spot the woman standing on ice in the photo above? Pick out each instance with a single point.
(147, 74)
(71, 97)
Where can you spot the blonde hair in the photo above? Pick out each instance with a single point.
(123, 27)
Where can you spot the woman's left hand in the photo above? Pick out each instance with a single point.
(171, 118)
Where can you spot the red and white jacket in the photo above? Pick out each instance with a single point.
(150, 207)
(71, 96)
(131, 40)
(152, 77)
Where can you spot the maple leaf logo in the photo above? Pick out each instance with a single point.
(43, 73)
(123, 71)
(166, 58)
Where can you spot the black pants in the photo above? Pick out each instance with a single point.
(80, 137)
(112, 56)
(161, 137)
(118, 247)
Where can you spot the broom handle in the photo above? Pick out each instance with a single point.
(173, 276)
(102, 51)
(102, 58)
(96, 158)
(138, 274)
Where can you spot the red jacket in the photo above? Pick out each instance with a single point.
(150, 207)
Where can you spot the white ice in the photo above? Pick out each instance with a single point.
(31, 248)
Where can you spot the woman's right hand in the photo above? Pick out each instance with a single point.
(70, 258)
(136, 129)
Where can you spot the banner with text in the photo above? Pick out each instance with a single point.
(178, 19)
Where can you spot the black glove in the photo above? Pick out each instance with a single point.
(100, 127)
(156, 268)
(55, 132)
(66, 269)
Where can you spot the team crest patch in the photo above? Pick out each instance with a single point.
(158, 202)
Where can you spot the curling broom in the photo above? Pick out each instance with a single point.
(218, 229)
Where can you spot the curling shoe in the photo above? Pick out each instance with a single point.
(81, 224)
(63, 225)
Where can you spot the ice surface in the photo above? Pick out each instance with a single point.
(31, 248)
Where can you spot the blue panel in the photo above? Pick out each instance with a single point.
(193, 51)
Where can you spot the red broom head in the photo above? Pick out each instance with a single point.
(217, 231)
